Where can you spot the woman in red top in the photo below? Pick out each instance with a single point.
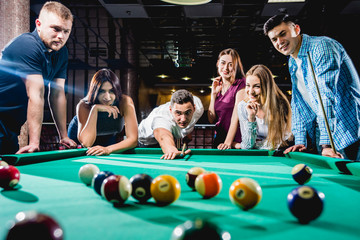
(227, 91)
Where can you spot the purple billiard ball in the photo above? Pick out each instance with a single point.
(98, 180)
(34, 225)
(305, 203)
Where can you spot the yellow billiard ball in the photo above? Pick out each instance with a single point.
(245, 193)
(165, 189)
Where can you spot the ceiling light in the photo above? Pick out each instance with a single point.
(202, 90)
(173, 90)
(284, 1)
(187, 2)
(186, 78)
(162, 76)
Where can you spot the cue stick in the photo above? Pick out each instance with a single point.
(322, 106)
(183, 150)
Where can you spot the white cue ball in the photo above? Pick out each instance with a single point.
(87, 172)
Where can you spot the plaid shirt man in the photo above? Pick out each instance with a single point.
(339, 88)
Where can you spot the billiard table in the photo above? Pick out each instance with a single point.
(50, 184)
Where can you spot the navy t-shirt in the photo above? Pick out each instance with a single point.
(25, 55)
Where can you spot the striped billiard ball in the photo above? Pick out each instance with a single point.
(165, 189)
(98, 180)
(301, 173)
(245, 193)
(116, 189)
(191, 176)
(208, 184)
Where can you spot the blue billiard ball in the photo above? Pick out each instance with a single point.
(305, 203)
(98, 180)
(301, 173)
(141, 187)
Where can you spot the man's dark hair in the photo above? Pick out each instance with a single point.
(275, 21)
(182, 96)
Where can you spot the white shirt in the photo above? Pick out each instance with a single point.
(300, 83)
(161, 117)
(253, 134)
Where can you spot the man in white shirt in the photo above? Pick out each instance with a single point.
(173, 120)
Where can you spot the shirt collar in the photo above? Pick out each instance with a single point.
(305, 44)
(43, 47)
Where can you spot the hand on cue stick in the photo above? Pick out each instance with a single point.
(324, 113)
(183, 150)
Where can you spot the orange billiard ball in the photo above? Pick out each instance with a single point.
(165, 189)
(245, 193)
(208, 184)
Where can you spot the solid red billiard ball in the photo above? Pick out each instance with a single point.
(87, 172)
(141, 187)
(301, 173)
(165, 189)
(245, 193)
(208, 184)
(34, 225)
(305, 203)
(9, 176)
(79, 146)
(116, 189)
(98, 180)
(192, 174)
(61, 147)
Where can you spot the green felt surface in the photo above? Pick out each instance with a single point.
(53, 187)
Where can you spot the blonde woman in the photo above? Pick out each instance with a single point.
(265, 114)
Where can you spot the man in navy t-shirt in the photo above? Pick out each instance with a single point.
(28, 63)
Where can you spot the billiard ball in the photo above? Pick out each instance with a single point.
(116, 189)
(245, 193)
(3, 164)
(191, 176)
(79, 146)
(208, 184)
(98, 180)
(199, 229)
(34, 225)
(301, 173)
(9, 176)
(87, 172)
(305, 203)
(165, 189)
(141, 187)
(61, 147)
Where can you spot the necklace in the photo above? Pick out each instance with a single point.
(224, 90)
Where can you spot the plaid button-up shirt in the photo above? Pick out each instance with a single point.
(339, 86)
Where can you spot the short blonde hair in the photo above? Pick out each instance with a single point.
(57, 8)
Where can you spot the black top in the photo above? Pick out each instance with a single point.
(25, 55)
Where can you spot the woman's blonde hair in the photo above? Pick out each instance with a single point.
(275, 105)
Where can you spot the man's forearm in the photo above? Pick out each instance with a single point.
(34, 118)
(57, 102)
